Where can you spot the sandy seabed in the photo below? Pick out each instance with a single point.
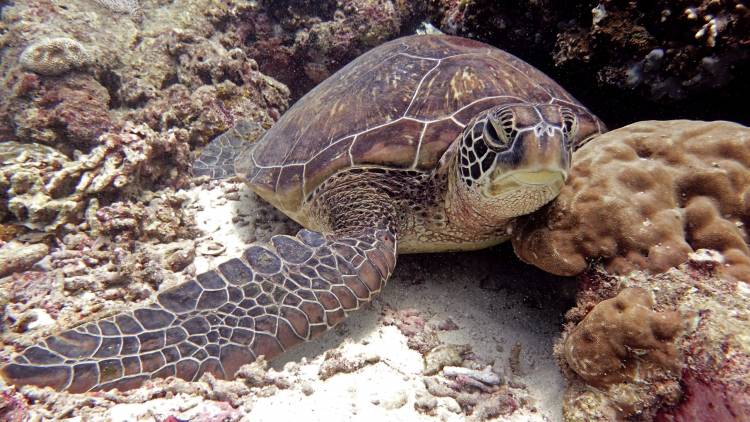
(509, 315)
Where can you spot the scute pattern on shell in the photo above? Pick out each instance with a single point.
(398, 106)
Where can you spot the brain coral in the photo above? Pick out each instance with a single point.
(623, 339)
(54, 56)
(643, 197)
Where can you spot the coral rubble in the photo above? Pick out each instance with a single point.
(17, 257)
(645, 196)
(45, 190)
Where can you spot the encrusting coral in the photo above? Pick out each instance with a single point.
(623, 339)
(645, 196)
(712, 345)
(55, 56)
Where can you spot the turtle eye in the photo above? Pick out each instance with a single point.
(569, 121)
(501, 131)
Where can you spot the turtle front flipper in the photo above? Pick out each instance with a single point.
(273, 297)
(218, 157)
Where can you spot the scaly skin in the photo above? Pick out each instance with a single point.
(263, 303)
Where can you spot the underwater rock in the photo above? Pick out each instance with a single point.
(714, 347)
(309, 41)
(623, 339)
(68, 113)
(644, 197)
(55, 56)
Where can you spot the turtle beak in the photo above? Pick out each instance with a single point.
(539, 158)
(546, 150)
(547, 180)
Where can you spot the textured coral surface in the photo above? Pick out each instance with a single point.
(646, 195)
(714, 349)
(54, 56)
(623, 339)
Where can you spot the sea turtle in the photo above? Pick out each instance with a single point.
(426, 143)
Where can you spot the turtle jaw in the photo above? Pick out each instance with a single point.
(525, 180)
(519, 192)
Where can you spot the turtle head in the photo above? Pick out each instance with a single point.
(515, 158)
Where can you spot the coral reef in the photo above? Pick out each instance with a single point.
(172, 70)
(643, 197)
(45, 190)
(714, 349)
(69, 112)
(55, 56)
(301, 43)
(118, 122)
(623, 339)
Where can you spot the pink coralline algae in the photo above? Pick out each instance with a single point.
(705, 400)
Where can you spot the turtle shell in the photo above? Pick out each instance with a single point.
(399, 106)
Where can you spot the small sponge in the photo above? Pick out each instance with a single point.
(54, 56)
(645, 196)
(623, 339)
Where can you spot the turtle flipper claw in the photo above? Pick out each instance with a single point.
(218, 157)
(273, 297)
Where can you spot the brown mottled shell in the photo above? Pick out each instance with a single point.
(399, 106)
